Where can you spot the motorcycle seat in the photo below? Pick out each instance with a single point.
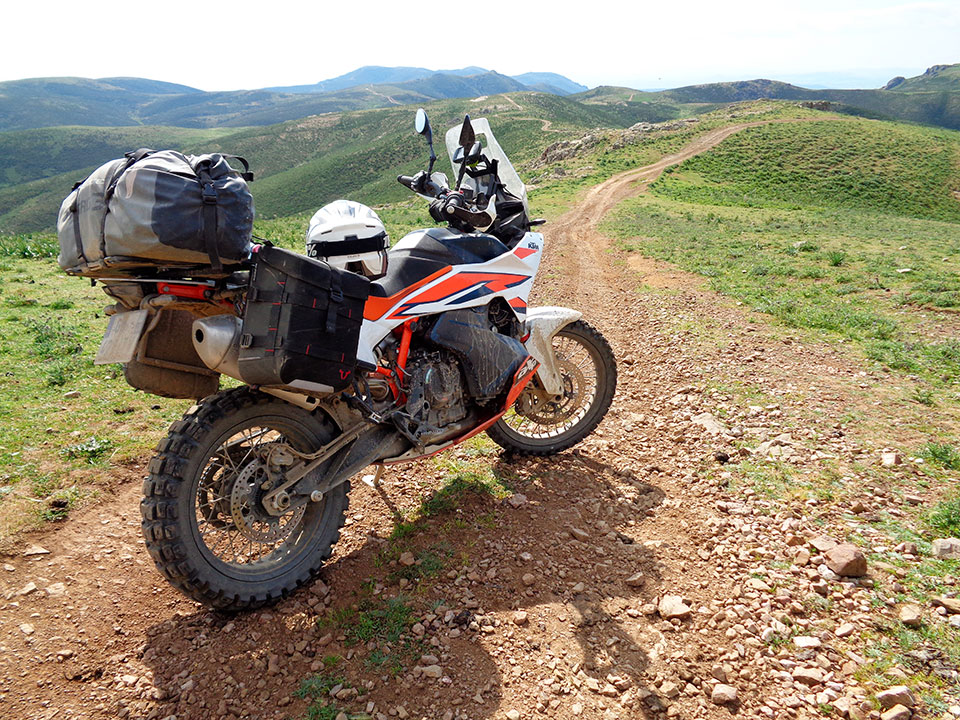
(424, 252)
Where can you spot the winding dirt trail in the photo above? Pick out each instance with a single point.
(559, 624)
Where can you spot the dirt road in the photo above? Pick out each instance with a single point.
(547, 605)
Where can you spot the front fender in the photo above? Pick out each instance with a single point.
(543, 323)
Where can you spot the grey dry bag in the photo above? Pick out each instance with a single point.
(154, 211)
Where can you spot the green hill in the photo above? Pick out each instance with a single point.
(846, 228)
(930, 99)
(892, 168)
(936, 79)
(35, 154)
(48, 102)
(300, 164)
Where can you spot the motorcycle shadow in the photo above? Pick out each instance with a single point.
(520, 603)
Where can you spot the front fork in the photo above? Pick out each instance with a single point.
(542, 324)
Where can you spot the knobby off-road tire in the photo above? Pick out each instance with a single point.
(589, 373)
(200, 457)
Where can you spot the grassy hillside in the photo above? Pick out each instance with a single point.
(44, 102)
(935, 79)
(300, 164)
(898, 169)
(28, 155)
(49, 102)
(847, 228)
(931, 99)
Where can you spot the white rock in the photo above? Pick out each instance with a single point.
(911, 616)
(517, 500)
(897, 695)
(890, 459)
(672, 606)
(723, 694)
(709, 423)
(845, 630)
(946, 548)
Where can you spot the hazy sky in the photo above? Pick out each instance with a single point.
(239, 44)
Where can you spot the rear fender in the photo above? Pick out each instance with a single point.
(543, 323)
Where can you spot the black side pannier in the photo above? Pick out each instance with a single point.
(301, 323)
(157, 210)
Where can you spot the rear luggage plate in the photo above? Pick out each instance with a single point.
(119, 343)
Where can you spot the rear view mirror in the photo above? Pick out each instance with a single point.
(467, 136)
(421, 124)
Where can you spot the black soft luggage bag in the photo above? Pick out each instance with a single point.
(301, 325)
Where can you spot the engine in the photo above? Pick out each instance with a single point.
(435, 400)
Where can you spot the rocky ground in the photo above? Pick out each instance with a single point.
(734, 540)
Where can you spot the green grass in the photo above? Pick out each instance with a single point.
(50, 327)
(29, 246)
(943, 519)
(316, 689)
(783, 263)
(43, 152)
(942, 455)
(896, 169)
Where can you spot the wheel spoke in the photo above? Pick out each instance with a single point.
(231, 522)
(580, 375)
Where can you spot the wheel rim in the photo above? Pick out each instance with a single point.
(578, 364)
(231, 523)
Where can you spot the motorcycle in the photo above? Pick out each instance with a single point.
(247, 493)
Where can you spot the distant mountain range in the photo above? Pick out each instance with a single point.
(931, 98)
(117, 102)
(379, 75)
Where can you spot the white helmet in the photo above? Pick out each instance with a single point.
(349, 236)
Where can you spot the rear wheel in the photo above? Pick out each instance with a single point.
(536, 425)
(205, 521)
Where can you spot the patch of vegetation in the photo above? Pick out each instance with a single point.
(942, 455)
(29, 246)
(316, 688)
(943, 519)
(90, 450)
(428, 562)
(386, 623)
(751, 254)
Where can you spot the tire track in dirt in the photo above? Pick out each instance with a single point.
(574, 234)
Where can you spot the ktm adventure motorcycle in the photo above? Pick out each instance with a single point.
(246, 495)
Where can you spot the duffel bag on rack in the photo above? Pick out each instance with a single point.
(301, 324)
(153, 211)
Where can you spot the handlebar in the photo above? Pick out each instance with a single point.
(423, 184)
(446, 204)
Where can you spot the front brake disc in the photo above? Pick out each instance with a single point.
(554, 413)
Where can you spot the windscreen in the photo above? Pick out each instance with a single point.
(492, 149)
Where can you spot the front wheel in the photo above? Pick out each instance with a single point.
(536, 425)
(205, 521)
